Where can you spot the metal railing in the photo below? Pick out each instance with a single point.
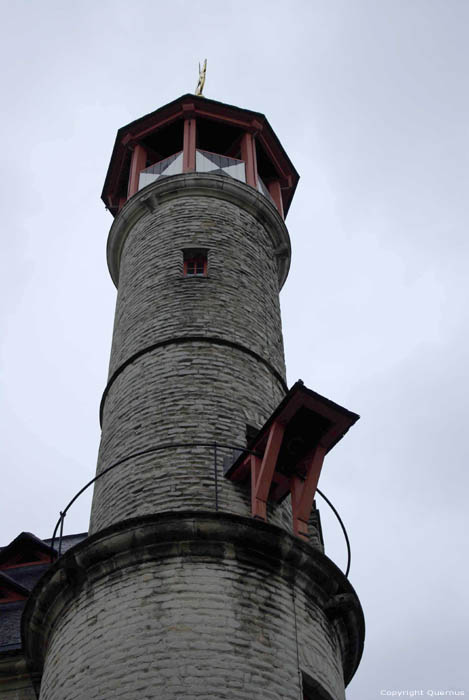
(215, 447)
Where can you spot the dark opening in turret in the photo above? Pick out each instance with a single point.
(219, 138)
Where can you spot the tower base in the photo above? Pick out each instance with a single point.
(200, 605)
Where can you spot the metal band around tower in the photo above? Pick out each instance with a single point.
(186, 339)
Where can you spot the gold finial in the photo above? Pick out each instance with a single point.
(201, 83)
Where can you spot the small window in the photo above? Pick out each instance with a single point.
(312, 690)
(195, 263)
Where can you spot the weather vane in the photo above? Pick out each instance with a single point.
(201, 83)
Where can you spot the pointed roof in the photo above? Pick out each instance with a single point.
(22, 563)
(25, 549)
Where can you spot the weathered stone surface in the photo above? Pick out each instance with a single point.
(195, 605)
(179, 593)
(238, 300)
(186, 393)
(206, 390)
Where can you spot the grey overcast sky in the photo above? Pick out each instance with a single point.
(370, 100)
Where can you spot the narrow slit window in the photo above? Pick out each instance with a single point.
(195, 263)
(312, 690)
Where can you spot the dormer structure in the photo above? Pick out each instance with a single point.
(195, 134)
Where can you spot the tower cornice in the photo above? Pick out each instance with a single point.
(208, 535)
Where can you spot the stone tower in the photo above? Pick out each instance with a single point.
(203, 576)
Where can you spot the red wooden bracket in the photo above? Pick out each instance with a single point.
(303, 491)
(262, 472)
(138, 163)
(188, 158)
(248, 154)
(276, 193)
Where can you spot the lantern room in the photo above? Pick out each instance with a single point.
(195, 134)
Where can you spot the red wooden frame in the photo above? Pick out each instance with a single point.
(189, 108)
(263, 471)
(195, 260)
(137, 164)
(188, 162)
(270, 467)
(248, 154)
(304, 490)
(276, 193)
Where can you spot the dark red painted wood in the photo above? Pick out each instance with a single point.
(138, 163)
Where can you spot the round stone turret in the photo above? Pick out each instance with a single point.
(203, 575)
(195, 358)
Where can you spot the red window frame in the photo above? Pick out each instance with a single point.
(195, 266)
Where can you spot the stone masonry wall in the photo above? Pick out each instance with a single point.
(189, 392)
(194, 392)
(188, 627)
(238, 300)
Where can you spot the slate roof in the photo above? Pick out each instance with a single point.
(68, 541)
(10, 585)
(27, 576)
(10, 619)
(22, 578)
(25, 542)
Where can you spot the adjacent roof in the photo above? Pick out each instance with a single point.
(22, 563)
(26, 576)
(24, 548)
(68, 541)
(10, 585)
(10, 625)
